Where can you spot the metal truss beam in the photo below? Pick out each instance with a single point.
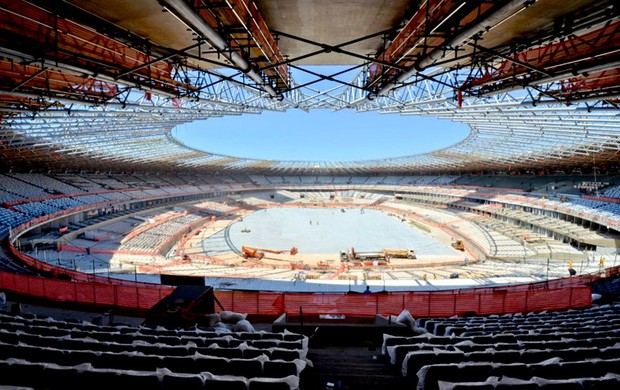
(66, 106)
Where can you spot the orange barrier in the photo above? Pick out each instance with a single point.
(110, 295)
(419, 303)
(92, 289)
(552, 295)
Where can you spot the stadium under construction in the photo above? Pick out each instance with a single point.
(488, 263)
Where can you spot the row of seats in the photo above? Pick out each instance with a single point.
(604, 209)
(415, 360)
(223, 347)
(38, 209)
(458, 328)
(19, 372)
(609, 381)
(599, 315)
(50, 184)
(70, 354)
(20, 188)
(390, 180)
(152, 238)
(473, 352)
(13, 187)
(7, 196)
(260, 366)
(26, 211)
(612, 192)
(398, 352)
(553, 374)
(10, 218)
(47, 326)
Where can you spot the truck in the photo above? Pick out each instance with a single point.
(408, 253)
(383, 254)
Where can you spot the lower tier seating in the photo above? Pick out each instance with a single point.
(575, 349)
(43, 353)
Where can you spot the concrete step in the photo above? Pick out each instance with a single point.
(351, 368)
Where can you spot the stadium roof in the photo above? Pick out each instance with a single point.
(99, 84)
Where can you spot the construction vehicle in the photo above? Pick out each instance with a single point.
(384, 254)
(259, 253)
(459, 245)
(400, 253)
(249, 252)
(297, 265)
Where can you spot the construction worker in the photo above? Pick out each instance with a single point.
(571, 271)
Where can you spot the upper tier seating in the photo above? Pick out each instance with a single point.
(47, 183)
(37, 209)
(547, 349)
(19, 188)
(79, 181)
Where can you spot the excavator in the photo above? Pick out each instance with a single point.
(459, 245)
(259, 253)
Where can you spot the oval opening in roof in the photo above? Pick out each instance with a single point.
(320, 135)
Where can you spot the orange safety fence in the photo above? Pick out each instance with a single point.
(419, 303)
(552, 295)
(137, 296)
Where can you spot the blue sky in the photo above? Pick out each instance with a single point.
(321, 134)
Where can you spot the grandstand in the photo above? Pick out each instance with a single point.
(103, 211)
